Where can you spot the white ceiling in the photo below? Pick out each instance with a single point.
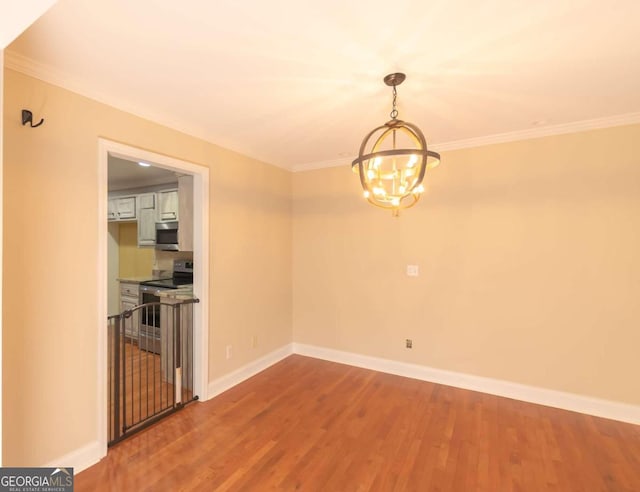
(17, 15)
(124, 175)
(294, 82)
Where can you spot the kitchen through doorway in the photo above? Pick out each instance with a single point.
(153, 222)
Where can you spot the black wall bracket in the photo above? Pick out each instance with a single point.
(27, 117)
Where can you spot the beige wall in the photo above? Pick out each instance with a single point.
(1, 224)
(133, 261)
(528, 256)
(50, 262)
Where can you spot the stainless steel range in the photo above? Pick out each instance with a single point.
(151, 317)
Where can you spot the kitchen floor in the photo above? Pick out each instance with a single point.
(144, 388)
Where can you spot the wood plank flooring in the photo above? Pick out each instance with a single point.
(311, 425)
(143, 385)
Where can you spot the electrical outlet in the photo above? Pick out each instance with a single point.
(254, 341)
(229, 351)
(409, 343)
(413, 270)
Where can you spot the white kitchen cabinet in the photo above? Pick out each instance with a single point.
(147, 219)
(130, 298)
(122, 208)
(168, 205)
(112, 209)
(185, 195)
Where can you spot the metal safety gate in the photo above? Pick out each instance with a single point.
(150, 354)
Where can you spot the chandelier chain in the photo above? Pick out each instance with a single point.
(394, 111)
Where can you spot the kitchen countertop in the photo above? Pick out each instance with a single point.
(155, 275)
(134, 280)
(183, 293)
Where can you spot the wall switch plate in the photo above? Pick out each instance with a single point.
(413, 270)
(409, 343)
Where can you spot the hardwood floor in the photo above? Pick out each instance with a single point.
(311, 425)
(144, 386)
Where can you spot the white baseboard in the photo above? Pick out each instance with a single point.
(568, 401)
(79, 459)
(227, 381)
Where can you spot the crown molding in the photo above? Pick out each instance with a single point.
(498, 138)
(49, 74)
(54, 76)
(542, 131)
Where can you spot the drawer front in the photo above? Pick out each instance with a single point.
(129, 290)
(130, 299)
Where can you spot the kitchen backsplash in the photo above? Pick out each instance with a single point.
(163, 263)
(132, 260)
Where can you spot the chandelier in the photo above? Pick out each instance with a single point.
(393, 160)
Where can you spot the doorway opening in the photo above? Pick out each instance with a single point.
(155, 205)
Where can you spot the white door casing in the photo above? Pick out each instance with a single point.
(200, 259)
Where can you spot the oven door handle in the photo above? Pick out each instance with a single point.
(154, 291)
